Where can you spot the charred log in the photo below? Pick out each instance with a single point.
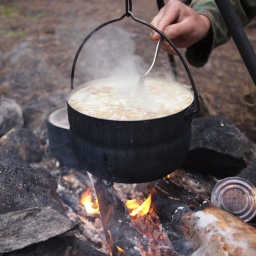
(68, 245)
(120, 233)
(167, 197)
(150, 226)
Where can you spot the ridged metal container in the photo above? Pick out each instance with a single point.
(235, 195)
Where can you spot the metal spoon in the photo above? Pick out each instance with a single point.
(143, 77)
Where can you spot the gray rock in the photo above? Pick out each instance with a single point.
(23, 187)
(249, 173)
(10, 115)
(25, 144)
(218, 147)
(30, 210)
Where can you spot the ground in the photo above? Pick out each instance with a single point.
(39, 39)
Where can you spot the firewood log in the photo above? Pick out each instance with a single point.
(214, 231)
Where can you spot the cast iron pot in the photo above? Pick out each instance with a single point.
(131, 151)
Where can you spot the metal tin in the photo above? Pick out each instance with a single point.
(235, 195)
(59, 137)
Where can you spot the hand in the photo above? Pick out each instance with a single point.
(181, 24)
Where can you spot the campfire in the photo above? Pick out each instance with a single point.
(51, 204)
(57, 202)
(90, 216)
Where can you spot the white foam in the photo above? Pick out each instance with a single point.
(124, 99)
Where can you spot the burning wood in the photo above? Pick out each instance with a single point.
(119, 230)
(89, 228)
(147, 223)
(140, 234)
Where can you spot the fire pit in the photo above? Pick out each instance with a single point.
(169, 216)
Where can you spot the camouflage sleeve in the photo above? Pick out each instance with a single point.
(198, 54)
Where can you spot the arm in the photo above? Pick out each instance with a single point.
(199, 53)
(200, 28)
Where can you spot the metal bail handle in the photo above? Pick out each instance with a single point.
(128, 5)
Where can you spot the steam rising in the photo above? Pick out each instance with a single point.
(112, 51)
(109, 52)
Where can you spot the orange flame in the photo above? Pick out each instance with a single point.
(91, 207)
(136, 208)
(120, 250)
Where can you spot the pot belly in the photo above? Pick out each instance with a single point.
(133, 164)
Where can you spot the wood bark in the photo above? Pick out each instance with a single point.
(22, 228)
(120, 233)
(214, 231)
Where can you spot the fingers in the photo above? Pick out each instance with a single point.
(166, 16)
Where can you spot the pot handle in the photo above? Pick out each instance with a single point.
(195, 107)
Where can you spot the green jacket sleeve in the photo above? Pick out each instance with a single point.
(198, 54)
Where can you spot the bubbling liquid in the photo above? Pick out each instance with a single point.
(116, 99)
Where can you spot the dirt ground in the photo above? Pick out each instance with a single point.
(38, 41)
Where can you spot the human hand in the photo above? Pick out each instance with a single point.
(181, 24)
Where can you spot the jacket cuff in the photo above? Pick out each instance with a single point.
(198, 54)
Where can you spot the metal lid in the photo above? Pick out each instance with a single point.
(235, 195)
(59, 118)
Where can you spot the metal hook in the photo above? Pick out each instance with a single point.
(128, 7)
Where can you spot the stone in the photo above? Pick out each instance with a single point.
(10, 115)
(249, 173)
(218, 147)
(23, 187)
(30, 209)
(24, 142)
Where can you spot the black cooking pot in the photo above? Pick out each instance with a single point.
(131, 151)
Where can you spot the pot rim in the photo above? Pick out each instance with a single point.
(186, 110)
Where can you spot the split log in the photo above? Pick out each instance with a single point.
(167, 197)
(150, 226)
(89, 226)
(194, 182)
(213, 231)
(68, 245)
(22, 228)
(122, 237)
